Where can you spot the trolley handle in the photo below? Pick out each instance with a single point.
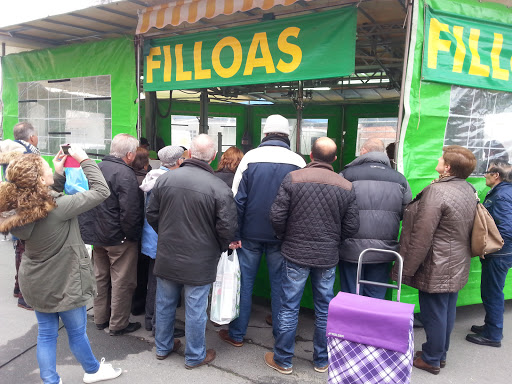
(398, 285)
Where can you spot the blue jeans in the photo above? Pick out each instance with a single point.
(249, 257)
(294, 279)
(196, 300)
(438, 316)
(75, 322)
(494, 273)
(372, 272)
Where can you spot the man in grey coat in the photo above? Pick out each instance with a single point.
(382, 194)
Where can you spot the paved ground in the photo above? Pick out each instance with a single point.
(467, 363)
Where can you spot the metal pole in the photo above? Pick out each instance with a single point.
(219, 144)
(404, 73)
(138, 47)
(300, 106)
(203, 114)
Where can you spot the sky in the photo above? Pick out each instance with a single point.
(20, 11)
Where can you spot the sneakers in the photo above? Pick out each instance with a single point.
(224, 335)
(132, 327)
(210, 356)
(177, 345)
(480, 340)
(102, 326)
(106, 372)
(269, 360)
(321, 369)
(22, 304)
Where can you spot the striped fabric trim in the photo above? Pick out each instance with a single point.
(176, 12)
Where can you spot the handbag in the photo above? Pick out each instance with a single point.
(485, 237)
(225, 306)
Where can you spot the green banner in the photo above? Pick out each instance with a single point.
(467, 51)
(299, 48)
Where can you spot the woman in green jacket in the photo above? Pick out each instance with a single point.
(55, 273)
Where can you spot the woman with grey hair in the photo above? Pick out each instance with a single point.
(171, 158)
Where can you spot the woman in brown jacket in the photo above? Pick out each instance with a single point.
(436, 247)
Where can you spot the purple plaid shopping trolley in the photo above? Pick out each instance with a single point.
(369, 341)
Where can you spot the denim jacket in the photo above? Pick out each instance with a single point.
(499, 204)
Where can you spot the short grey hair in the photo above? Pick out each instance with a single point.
(203, 148)
(23, 131)
(374, 145)
(122, 144)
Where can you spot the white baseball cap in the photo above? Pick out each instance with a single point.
(276, 124)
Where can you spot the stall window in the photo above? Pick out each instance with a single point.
(382, 128)
(76, 110)
(311, 130)
(479, 120)
(185, 128)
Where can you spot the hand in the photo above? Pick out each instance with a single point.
(77, 153)
(235, 244)
(58, 162)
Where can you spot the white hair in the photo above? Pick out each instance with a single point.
(374, 145)
(203, 148)
(122, 144)
(23, 131)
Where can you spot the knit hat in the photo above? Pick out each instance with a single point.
(169, 155)
(276, 124)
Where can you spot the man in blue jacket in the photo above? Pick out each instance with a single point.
(495, 266)
(255, 187)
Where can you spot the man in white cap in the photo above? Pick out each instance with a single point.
(255, 187)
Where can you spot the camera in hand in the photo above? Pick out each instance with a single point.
(65, 148)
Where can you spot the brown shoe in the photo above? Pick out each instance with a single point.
(269, 360)
(224, 335)
(323, 369)
(210, 356)
(420, 364)
(442, 363)
(177, 345)
(268, 319)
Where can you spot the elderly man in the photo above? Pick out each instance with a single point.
(255, 187)
(114, 228)
(314, 210)
(25, 141)
(194, 214)
(495, 266)
(382, 194)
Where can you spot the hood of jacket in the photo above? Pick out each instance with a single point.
(371, 157)
(149, 181)
(9, 150)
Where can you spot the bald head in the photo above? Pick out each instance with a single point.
(203, 148)
(324, 150)
(372, 145)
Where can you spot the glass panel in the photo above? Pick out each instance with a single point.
(382, 128)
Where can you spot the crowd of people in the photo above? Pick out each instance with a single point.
(157, 235)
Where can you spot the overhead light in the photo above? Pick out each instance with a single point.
(318, 89)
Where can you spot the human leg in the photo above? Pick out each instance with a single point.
(348, 272)
(150, 296)
(47, 333)
(249, 257)
(196, 302)
(75, 322)
(376, 272)
(434, 311)
(139, 295)
(167, 294)
(275, 271)
(19, 248)
(294, 279)
(102, 274)
(450, 320)
(322, 281)
(123, 275)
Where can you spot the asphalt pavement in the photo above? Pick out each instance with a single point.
(135, 353)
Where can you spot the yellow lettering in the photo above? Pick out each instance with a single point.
(259, 40)
(180, 74)
(497, 72)
(199, 72)
(460, 51)
(167, 63)
(291, 49)
(237, 57)
(152, 64)
(476, 68)
(435, 44)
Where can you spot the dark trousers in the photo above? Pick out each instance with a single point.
(139, 296)
(150, 297)
(438, 316)
(494, 273)
(371, 272)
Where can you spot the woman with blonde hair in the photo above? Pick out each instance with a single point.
(55, 273)
(228, 164)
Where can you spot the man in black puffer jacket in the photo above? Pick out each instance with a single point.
(382, 194)
(195, 216)
(314, 210)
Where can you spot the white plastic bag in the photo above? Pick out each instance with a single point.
(225, 305)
